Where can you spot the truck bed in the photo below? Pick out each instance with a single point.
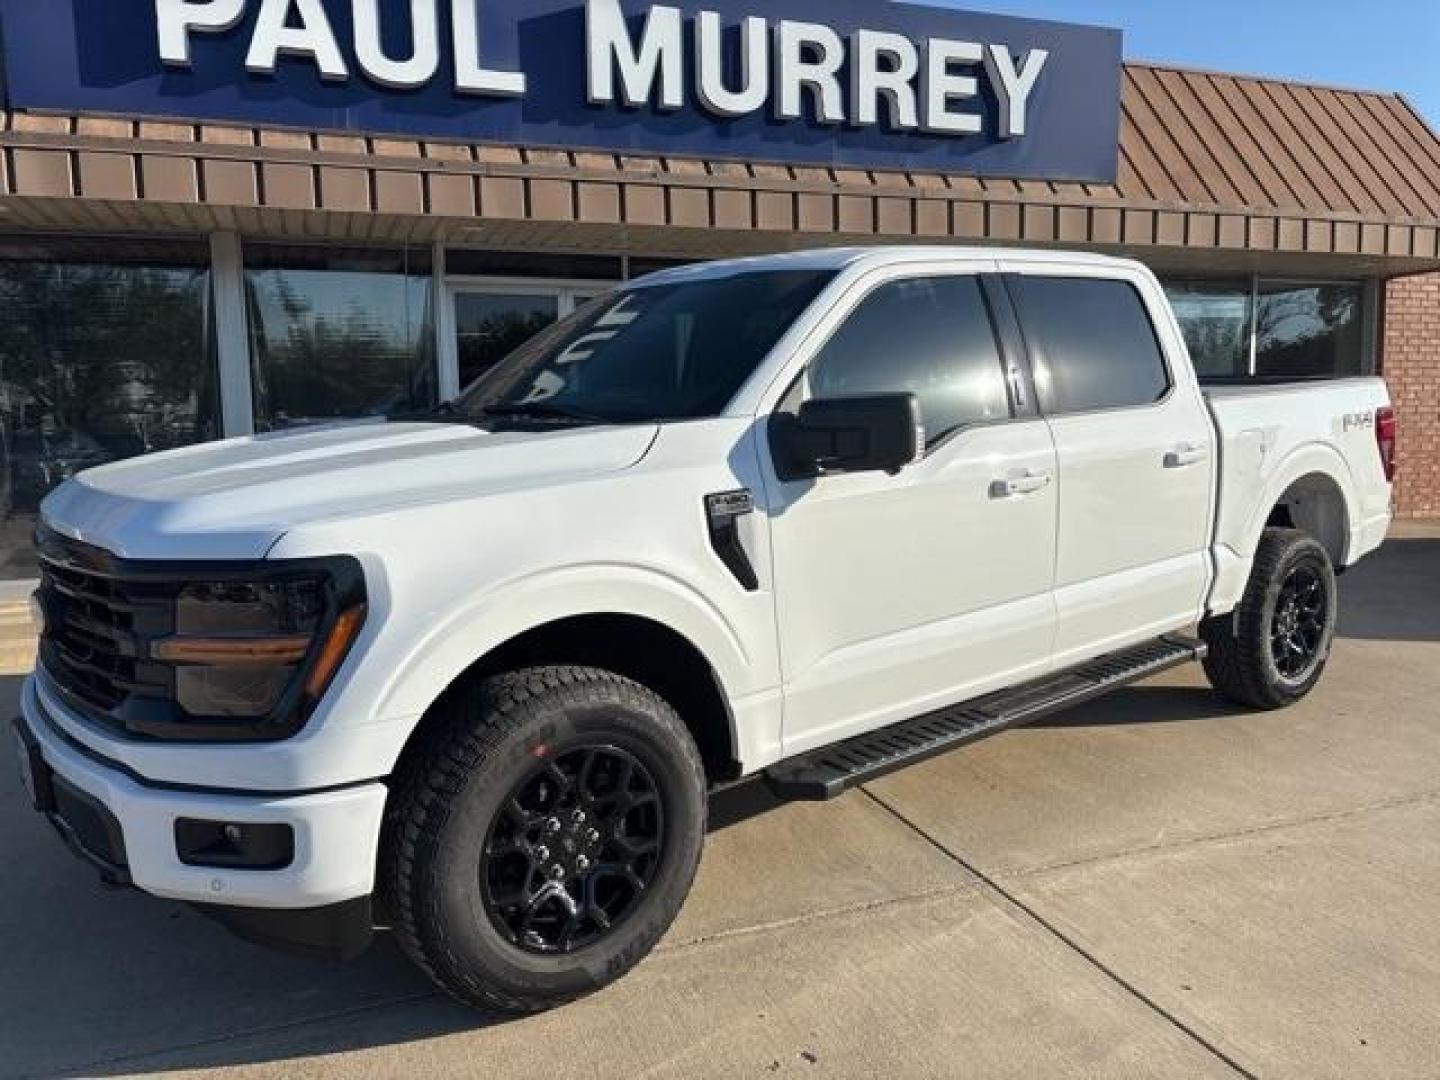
(1311, 445)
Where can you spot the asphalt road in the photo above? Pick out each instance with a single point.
(1154, 885)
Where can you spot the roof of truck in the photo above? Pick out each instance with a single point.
(845, 258)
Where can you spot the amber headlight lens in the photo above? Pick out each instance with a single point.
(240, 648)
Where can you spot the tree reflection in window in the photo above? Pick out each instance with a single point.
(1309, 331)
(99, 361)
(339, 334)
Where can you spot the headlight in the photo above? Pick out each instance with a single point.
(252, 649)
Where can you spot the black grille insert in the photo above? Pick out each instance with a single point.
(98, 626)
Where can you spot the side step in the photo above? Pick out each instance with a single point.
(831, 770)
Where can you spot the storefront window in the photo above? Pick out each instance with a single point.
(1286, 329)
(106, 352)
(1309, 331)
(339, 334)
(491, 325)
(1215, 318)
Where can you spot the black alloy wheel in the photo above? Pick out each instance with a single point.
(573, 851)
(1301, 620)
(542, 834)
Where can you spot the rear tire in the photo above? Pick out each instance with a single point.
(1272, 650)
(543, 836)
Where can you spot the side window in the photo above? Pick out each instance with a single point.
(932, 337)
(1092, 343)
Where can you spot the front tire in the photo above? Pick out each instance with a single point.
(543, 837)
(1272, 651)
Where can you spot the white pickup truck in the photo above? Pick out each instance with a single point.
(815, 516)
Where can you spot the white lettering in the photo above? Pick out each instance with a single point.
(177, 18)
(754, 87)
(942, 86)
(809, 57)
(884, 66)
(1013, 87)
(470, 76)
(314, 37)
(659, 56)
(424, 61)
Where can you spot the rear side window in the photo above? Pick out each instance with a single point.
(930, 336)
(1092, 344)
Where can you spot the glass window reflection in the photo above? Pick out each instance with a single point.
(106, 352)
(339, 334)
(492, 325)
(1215, 319)
(1309, 330)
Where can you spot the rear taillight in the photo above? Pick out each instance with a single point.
(1387, 431)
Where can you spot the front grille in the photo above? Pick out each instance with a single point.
(99, 622)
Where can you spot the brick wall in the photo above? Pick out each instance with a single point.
(1411, 363)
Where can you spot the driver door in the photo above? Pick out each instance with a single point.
(899, 594)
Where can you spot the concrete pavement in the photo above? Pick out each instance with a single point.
(1155, 885)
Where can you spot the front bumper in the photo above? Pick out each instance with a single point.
(126, 828)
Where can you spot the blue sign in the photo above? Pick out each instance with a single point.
(833, 82)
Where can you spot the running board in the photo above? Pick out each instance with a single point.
(831, 770)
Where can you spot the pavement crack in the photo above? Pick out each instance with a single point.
(1219, 837)
(1068, 941)
(820, 916)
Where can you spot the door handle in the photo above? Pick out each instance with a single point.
(1186, 455)
(1013, 487)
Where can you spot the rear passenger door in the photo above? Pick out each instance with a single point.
(1134, 447)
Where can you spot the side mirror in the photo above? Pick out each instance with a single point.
(873, 433)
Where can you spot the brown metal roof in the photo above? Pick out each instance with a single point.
(1245, 168)
(1210, 139)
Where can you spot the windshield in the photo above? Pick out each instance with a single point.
(664, 352)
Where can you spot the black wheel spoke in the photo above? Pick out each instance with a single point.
(1298, 626)
(574, 850)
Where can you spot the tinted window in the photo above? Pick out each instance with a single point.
(678, 350)
(932, 337)
(1309, 331)
(1091, 342)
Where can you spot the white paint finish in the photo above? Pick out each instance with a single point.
(808, 58)
(235, 499)
(336, 835)
(659, 56)
(896, 594)
(177, 20)
(753, 89)
(416, 70)
(313, 37)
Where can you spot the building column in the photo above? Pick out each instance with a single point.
(1412, 368)
(232, 336)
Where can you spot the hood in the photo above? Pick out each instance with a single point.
(235, 499)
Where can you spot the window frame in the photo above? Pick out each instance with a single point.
(1163, 326)
(1013, 369)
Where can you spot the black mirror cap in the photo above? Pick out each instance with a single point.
(868, 433)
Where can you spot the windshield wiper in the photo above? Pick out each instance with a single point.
(544, 412)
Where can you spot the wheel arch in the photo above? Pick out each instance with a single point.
(649, 629)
